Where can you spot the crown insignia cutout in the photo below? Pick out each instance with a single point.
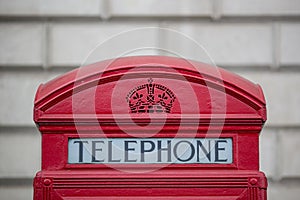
(150, 98)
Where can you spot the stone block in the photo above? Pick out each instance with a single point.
(20, 152)
(21, 44)
(260, 7)
(155, 8)
(17, 89)
(16, 192)
(268, 152)
(75, 44)
(284, 190)
(281, 93)
(289, 158)
(289, 44)
(235, 44)
(54, 8)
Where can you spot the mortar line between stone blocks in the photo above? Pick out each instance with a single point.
(161, 38)
(16, 181)
(276, 47)
(45, 45)
(104, 9)
(278, 155)
(216, 9)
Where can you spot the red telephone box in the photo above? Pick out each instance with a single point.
(150, 127)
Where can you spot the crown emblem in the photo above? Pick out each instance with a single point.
(150, 98)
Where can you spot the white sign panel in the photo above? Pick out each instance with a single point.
(150, 150)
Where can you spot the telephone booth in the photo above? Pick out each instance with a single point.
(150, 127)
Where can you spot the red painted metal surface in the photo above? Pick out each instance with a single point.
(195, 100)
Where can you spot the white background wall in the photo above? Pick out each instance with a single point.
(258, 39)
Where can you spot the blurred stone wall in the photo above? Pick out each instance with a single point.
(258, 39)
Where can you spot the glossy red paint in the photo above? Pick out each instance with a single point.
(98, 101)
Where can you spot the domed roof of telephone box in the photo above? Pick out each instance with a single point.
(135, 87)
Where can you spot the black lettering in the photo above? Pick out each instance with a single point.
(127, 149)
(81, 149)
(160, 149)
(205, 151)
(110, 153)
(143, 150)
(94, 150)
(176, 153)
(217, 149)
